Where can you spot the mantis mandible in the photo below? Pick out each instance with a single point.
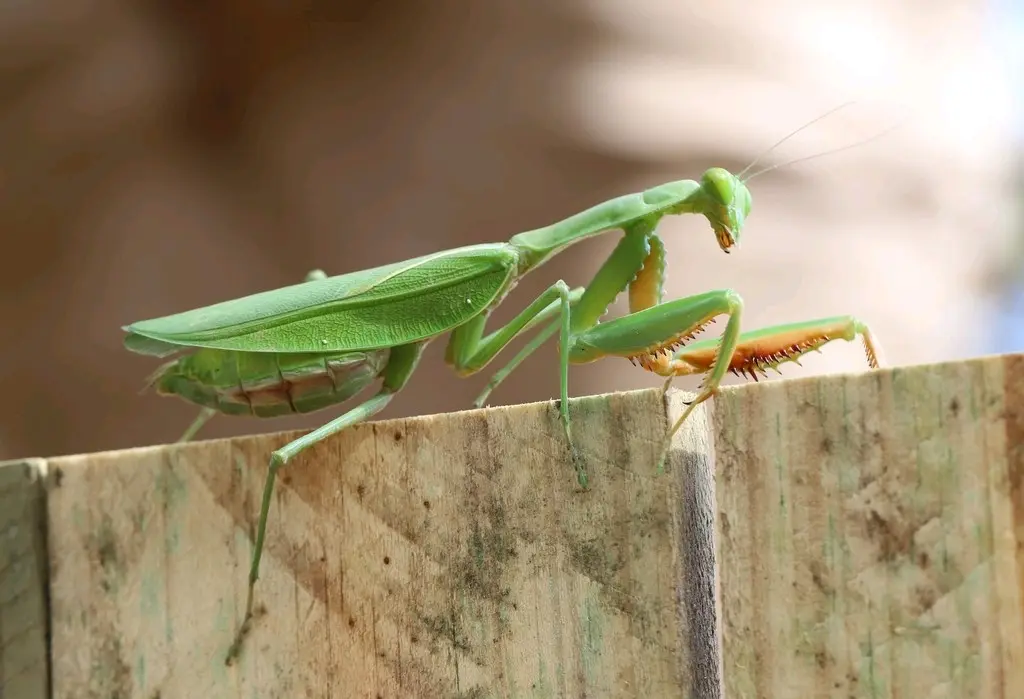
(312, 345)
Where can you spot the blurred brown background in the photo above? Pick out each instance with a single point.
(156, 157)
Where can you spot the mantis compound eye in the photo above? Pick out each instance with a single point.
(720, 185)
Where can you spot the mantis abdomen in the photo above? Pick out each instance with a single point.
(264, 384)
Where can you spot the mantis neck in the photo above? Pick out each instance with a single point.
(630, 211)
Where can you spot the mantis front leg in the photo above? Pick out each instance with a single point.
(748, 354)
(647, 336)
(757, 351)
(653, 332)
(468, 351)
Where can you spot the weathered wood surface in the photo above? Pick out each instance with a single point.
(24, 663)
(872, 533)
(869, 543)
(444, 556)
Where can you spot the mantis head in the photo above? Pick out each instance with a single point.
(728, 205)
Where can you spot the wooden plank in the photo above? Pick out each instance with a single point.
(24, 661)
(871, 533)
(441, 556)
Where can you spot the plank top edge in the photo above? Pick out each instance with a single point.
(751, 388)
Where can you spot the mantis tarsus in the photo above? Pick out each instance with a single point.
(308, 346)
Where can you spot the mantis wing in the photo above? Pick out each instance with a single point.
(382, 307)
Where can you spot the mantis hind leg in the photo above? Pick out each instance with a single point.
(503, 373)
(401, 364)
(469, 352)
(553, 308)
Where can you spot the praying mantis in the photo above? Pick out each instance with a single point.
(315, 344)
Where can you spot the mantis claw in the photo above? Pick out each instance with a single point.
(236, 645)
(581, 472)
(574, 455)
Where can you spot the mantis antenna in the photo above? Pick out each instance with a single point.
(788, 136)
(855, 144)
(833, 151)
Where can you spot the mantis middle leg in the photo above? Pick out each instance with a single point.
(583, 338)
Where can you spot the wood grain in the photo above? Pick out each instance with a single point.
(871, 533)
(440, 556)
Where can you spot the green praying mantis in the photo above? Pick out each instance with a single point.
(315, 344)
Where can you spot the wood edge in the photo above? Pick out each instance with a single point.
(671, 396)
(857, 374)
(691, 458)
(24, 580)
(54, 461)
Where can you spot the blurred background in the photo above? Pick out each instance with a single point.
(156, 157)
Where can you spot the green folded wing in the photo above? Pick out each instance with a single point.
(381, 307)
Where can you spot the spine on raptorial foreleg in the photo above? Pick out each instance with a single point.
(759, 351)
(265, 384)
